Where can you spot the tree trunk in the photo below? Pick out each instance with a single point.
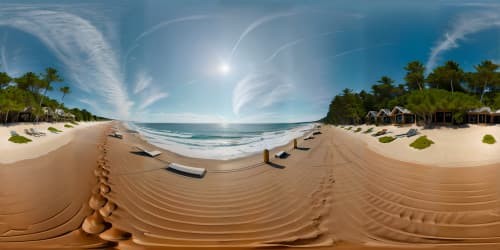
(482, 94)
(7, 117)
(451, 84)
(420, 87)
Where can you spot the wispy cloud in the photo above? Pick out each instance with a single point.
(259, 90)
(165, 24)
(143, 81)
(463, 26)
(150, 99)
(255, 25)
(291, 44)
(186, 117)
(79, 45)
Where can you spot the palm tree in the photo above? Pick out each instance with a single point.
(49, 77)
(485, 74)
(29, 81)
(65, 90)
(414, 75)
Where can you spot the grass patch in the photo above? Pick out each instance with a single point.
(19, 139)
(341, 126)
(421, 143)
(489, 139)
(386, 139)
(357, 130)
(368, 131)
(54, 130)
(73, 122)
(67, 126)
(349, 128)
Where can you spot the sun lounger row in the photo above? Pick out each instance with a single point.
(188, 170)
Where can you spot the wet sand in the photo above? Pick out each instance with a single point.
(333, 193)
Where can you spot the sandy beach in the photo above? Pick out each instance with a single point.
(12, 152)
(335, 191)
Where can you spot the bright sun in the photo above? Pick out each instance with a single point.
(224, 68)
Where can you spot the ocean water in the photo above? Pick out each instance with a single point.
(219, 141)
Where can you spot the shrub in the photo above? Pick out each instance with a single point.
(489, 139)
(73, 122)
(368, 130)
(421, 143)
(54, 130)
(386, 139)
(357, 130)
(67, 126)
(349, 128)
(19, 139)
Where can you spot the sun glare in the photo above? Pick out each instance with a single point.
(224, 68)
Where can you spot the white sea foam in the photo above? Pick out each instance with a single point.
(229, 146)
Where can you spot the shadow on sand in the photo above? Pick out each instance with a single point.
(274, 165)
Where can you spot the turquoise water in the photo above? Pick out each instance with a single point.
(219, 141)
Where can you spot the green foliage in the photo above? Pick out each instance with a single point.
(421, 143)
(489, 139)
(54, 130)
(19, 139)
(357, 130)
(425, 103)
(68, 126)
(26, 94)
(368, 130)
(73, 122)
(415, 78)
(349, 128)
(448, 77)
(386, 139)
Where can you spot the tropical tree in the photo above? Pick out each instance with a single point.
(384, 91)
(5, 79)
(64, 90)
(415, 75)
(485, 75)
(29, 82)
(448, 77)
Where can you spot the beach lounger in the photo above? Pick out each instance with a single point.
(187, 170)
(118, 135)
(381, 132)
(316, 132)
(14, 133)
(37, 132)
(412, 132)
(281, 154)
(28, 132)
(409, 133)
(309, 137)
(150, 153)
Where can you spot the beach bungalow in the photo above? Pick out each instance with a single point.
(495, 117)
(481, 115)
(402, 115)
(48, 114)
(371, 117)
(442, 117)
(384, 116)
(26, 115)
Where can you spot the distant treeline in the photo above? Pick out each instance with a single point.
(446, 88)
(24, 99)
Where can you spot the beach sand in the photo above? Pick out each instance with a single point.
(335, 193)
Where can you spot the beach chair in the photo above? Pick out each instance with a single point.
(309, 137)
(200, 172)
(412, 132)
(381, 132)
(37, 132)
(281, 155)
(150, 153)
(13, 133)
(118, 135)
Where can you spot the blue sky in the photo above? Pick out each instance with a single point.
(236, 61)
